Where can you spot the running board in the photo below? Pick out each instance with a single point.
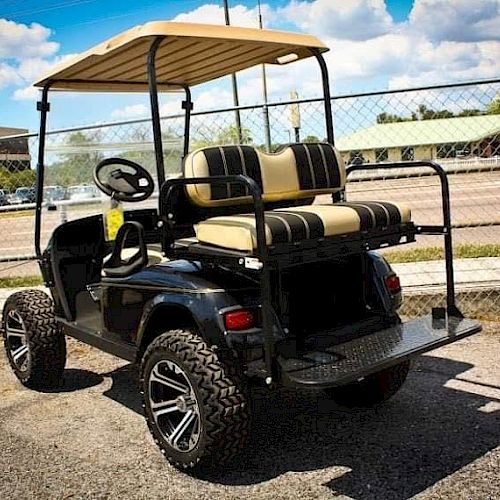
(88, 336)
(344, 363)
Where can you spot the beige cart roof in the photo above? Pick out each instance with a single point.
(189, 55)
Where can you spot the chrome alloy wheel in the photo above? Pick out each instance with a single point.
(15, 338)
(174, 405)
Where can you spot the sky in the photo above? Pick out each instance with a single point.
(375, 45)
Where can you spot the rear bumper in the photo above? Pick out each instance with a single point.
(350, 361)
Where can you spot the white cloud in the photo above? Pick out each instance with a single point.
(18, 41)
(443, 41)
(131, 111)
(26, 94)
(447, 61)
(239, 15)
(25, 53)
(24, 72)
(457, 20)
(351, 20)
(8, 75)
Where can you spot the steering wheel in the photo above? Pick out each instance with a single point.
(133, 183)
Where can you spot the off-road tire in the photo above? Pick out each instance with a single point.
(46, 343)
(220, 394)
(372, 390)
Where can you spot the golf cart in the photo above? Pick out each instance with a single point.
(237, 278)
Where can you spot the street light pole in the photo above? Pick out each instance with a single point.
(236, 99)
(265, 109)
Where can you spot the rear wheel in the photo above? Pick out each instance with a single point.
(373, 389)
(34, 345)
(196, 409)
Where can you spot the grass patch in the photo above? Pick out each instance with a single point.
(19, 281)
(464, 251)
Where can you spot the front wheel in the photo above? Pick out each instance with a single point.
(195, 407)
(34, 344)
(373, 389)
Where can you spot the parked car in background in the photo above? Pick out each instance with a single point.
(24, 195)
(4, 200)
(53, 193)
(82, 192)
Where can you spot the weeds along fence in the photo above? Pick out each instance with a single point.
(455, 125)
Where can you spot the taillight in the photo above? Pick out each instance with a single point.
(393, 284)
(239, 320)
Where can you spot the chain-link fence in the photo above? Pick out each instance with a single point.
(456, 125)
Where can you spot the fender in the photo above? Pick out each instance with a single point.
(380, 269)
(201, 306)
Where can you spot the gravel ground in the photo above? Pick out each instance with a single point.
(439, 437)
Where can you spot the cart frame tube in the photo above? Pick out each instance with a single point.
(44, 107)
(155, 109)
(187, 105)
(444, 230)
(327, 98)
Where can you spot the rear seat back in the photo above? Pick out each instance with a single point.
(298, 171)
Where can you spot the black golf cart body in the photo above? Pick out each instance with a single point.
(322, 308)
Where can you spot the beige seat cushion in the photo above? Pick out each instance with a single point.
(237, 232)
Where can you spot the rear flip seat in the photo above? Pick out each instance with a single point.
(299, 171)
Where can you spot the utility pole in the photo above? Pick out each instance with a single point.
(265, 109)
(295, 114)
(236, 99)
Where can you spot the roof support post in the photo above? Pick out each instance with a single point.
(155, 110)
(326, 96)
(44, 107)
(187, 105)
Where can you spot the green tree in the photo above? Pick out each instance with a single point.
(10, 181)
(390, 118)
(230, 135)
(494, 106)
(311, 138)
(227, 135)
(79, 157)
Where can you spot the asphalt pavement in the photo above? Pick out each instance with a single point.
(475, 199)
(438, 438)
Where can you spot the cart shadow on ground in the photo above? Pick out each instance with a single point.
(425, 433)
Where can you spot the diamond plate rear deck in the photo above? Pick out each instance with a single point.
(350, 361)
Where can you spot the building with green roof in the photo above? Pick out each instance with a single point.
(424, 139)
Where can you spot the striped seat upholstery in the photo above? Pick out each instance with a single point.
(291, 225)
(298, 171)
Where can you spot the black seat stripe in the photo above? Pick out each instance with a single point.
(216, 167)
(332, 164)
(234, 166)
(315, 226)
(366, 216)
(252, 164)
(393, 210)
(232, 160)
(374, 213)
(303, 167)
(289, 227)
(379, 213)
(318, 166)
(243, 166)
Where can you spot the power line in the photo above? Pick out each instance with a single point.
(70, 3)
